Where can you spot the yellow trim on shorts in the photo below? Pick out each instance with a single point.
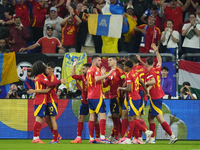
(155, 108)
(133, 107)
(141, 108)
(99, 104)
(53, 103)
(119, 105)
(38, 108)
(126, 103)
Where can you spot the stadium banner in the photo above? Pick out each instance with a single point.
(16, 119)
(189, 71)
(67, 64)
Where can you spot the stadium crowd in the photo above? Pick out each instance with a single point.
(170, 24)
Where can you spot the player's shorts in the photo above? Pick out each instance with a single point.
(156, 106)
(115, 105)
(143, 109)
(133, 107)
(125, 104)
(52, 109)
(96, 106)
(141, 94)
(39, 110)
(84, 109)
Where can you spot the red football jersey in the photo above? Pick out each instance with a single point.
(84, 87)
(156, 91)
(115, 80)
(94, 88)
(133, 79)
(40, 83)
(52, 96)
(49, 44)
(142, 71)
(38, 14)
(23, 12)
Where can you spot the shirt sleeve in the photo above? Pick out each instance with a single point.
(77, 77)
(58, 43)
(106, 83)
(39, 42)
(146, 13)
(128, 79)
(150, 76)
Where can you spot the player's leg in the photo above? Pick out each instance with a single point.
(39, 113)
(97, 128)
(152, 127)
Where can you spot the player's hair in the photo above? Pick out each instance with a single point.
(94, 57)
(192, 14)
(87, 65)
(113, 57)
(51, 64)
(186, 83)
(121, 62)
(165, 68)
(38, 68)
(133, 58)
(128, 63)
(17, 17)
(170, 20)
(150, 61)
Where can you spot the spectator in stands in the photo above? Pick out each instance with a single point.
(79, 8)
(129, 46)
(62, 88)
(13, 92)
(155, 11)
(48, 43)
(18, 36)
(54, 20)
(192, 8)
(5, 4)
(61, 7)
(174, 13)
(191, 31)
(69, 28)
(151, 34)
(166, 81)
(9, 18)
(198, 15)
(169, 39)
(39, 16)
(3, 47)
(186, 93)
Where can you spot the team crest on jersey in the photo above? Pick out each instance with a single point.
(52, 42)
(111, 77)
(96, 73)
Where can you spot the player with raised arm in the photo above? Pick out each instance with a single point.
(84, 110)
(134, 101)
(115, 80)
(156, 92)
(95, 98)
(41, 82)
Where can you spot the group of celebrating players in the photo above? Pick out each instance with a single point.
(130, 88)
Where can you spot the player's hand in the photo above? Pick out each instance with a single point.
(22, 49)
(63, 81)
(30, 91)
(154, 47)
(103, 70)
(75, 62)
(111, 71)
(148, 95)
(95, 11)
(182, 92)
(118, 89)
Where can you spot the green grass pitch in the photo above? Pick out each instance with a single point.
(65, 145)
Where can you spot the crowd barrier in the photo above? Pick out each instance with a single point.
(16, 119)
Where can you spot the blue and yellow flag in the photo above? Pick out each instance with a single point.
(8, 69)
(105, 25)
(67, 67)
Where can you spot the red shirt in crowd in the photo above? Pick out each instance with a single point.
(11, 26)
(84, 87)
(69, 33)
(49, 44)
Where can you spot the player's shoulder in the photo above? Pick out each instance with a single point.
(119, 70)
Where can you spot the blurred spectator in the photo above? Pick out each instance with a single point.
(166, 81)
(18, 36)
(54, 20)
(69, 28)
(169, 39)
(39, 16)
(191, 43)
(192, 8)
(9, 18)
(5, 4)
(174, 13)
(129, 46)
(198, 15)
(151, 34)
(120, 64)
(3, 47)
(186, 93)
(79, 8)
(61, 7)
(61, 93)
(155, 11)
(13, 92)
(48, 43)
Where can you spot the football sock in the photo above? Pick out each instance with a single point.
(166, 127)
(79, 128)
(136, 133)
(124, 127)
(91, 128)
(152, 127)
(139, 126)
(115, 122)
(55, 135)
(131, 129)
(51, 129)
(142, 122)
(102, 125)
(97, 130)
(119, 126)
(36, 128)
